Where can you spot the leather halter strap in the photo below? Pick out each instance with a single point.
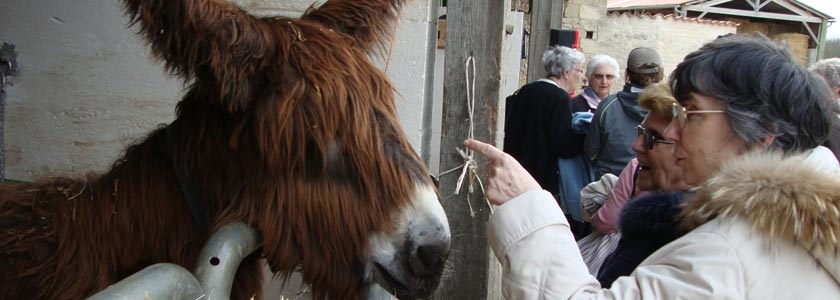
(188, 187)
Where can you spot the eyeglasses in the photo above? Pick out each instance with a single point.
(605, 77)
(649, 138)
(679, 113)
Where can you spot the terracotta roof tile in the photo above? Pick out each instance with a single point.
(677, 18)
(643, 3)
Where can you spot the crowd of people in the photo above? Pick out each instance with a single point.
(720, 182)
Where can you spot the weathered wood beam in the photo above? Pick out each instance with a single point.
(474, 29)
(545, 15)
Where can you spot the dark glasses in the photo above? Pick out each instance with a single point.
(649, 138)
(679, 113)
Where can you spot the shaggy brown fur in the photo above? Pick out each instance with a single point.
(286, 126)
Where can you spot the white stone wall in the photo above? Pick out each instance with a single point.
(88, 87)
(617, 34)
(587, 16)
(672, 37)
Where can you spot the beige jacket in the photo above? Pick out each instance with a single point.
(765, 227)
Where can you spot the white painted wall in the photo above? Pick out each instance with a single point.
(87, 86)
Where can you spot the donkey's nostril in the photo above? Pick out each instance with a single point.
(429, 255)
(428, 259)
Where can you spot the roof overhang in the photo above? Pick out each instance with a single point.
(812, 20)
(794, 11)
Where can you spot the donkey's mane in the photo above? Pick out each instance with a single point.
(278, 128)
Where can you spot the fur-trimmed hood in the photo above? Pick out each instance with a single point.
(786, 197)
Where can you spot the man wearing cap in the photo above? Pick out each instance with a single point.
(612, 132)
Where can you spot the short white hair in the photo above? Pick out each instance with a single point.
(559, 59)
(601, 59)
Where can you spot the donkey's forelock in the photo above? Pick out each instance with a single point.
(338, 138)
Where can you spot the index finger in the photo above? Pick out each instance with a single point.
(486, 150)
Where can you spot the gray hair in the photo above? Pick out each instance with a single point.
(560, 59)
(764, 92)
(598, 60)
(829, 69)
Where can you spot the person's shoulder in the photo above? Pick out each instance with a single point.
(578, 98)
(609, 98)
(608, 103)
(533, 87)
(546, 89)
(628, 98)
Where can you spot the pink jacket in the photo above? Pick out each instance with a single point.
(606, 218)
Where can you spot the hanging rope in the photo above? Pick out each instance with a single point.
(470, 167)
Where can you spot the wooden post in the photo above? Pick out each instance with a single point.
(545, 15)
(474, 28)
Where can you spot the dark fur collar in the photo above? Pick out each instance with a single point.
(651, 216)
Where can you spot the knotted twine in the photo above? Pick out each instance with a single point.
(470, 167)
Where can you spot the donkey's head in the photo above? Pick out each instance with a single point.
(293, 129)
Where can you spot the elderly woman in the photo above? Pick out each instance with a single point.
(577, 172)
(601, 73)
(764, 222)
(538, 124)
(829, 69)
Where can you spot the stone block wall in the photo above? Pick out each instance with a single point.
(673, 37)
(588, 16)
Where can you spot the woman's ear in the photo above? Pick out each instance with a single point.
(765, 143)
(768, 140)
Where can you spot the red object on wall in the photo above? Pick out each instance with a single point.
(565, 37)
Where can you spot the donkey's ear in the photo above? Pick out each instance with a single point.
(211, 40)
(368, 22)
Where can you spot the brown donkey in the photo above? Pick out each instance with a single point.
(286, 126)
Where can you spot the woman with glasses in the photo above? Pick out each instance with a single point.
(577, 172)
(764, 221)
(601, 74)
(538, 120)
(654, 169)
(647, 222)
